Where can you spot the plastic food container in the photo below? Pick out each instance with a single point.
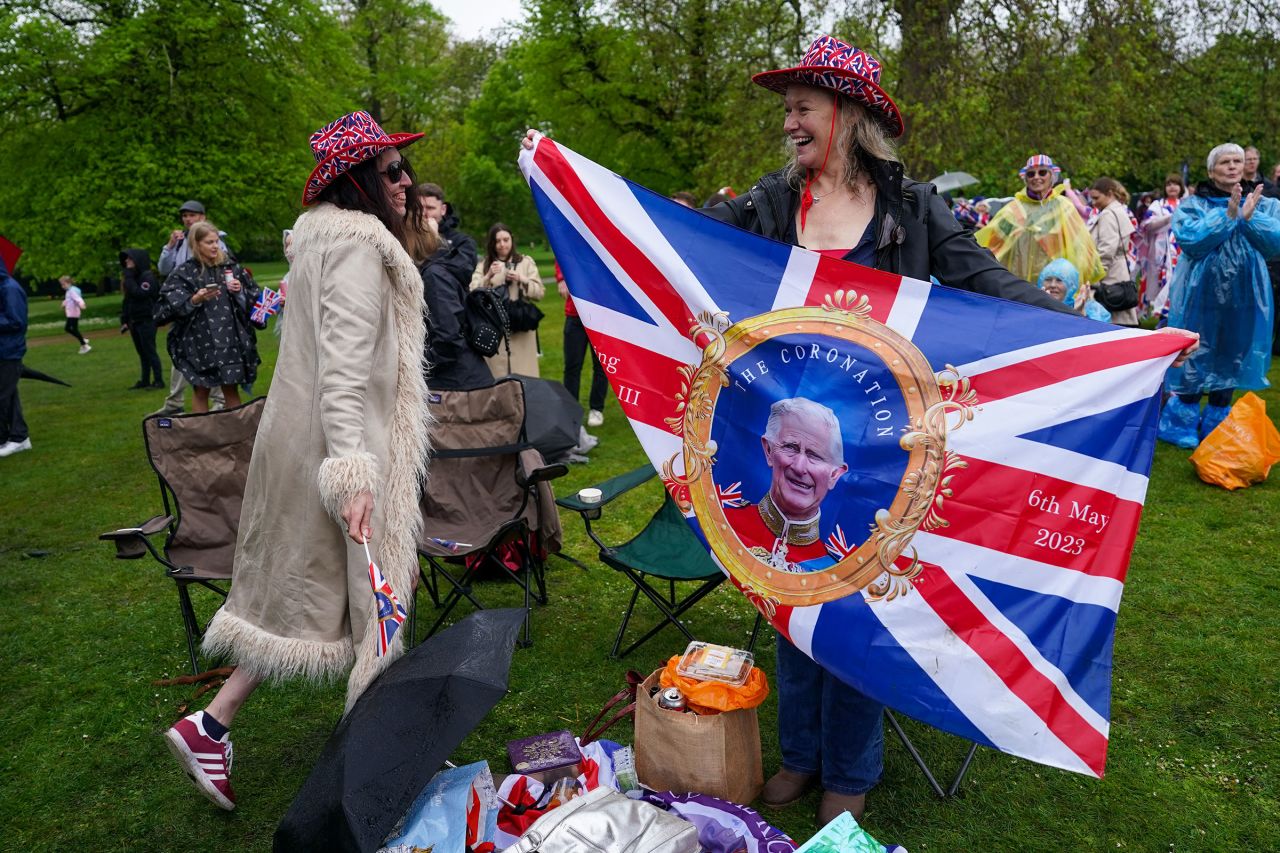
(709, 662)
(590, 496)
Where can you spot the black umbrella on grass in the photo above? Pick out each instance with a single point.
(400, 733)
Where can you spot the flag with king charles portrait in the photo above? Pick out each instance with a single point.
(932, 493)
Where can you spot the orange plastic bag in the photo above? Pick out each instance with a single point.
(1242, 449)
(712, 697)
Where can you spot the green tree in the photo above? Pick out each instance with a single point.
(117, 113)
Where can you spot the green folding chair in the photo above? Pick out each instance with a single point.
(664, 553)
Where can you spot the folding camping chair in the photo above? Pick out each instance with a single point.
(201, 461)
(943, 793)
(665, 551)
(488, 501)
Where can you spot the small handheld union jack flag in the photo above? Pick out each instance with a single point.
(391, 613)
(269, 302)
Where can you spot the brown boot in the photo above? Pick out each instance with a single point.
(785, 787)
(832, 804)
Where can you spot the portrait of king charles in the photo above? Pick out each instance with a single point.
(805, 453)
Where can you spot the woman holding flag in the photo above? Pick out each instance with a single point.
(844, 194)
(339, 456)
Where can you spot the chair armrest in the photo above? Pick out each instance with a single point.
(610, 489)
(131, 542)
(533, 469)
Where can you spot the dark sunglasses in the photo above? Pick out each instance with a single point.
(1036, 173)
(396, 170)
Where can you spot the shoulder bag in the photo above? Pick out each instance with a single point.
(524, 315)
(487, 322)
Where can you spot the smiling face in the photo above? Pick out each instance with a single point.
(1227, 171)
(207, 248)
(809, 113)
(1099, 199)
(1056, 287)
(395, 190)
(1172, 189)
(1039, 180)
(803, 465)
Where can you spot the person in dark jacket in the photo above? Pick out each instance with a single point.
(137, 314)
(446, 278)
(845, 195)
(14, 437)
(209, 298)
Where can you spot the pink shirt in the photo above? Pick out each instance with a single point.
(73, 302)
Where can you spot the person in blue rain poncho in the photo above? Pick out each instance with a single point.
(1221, 289)
(1061, 280)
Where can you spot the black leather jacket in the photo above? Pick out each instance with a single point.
(916, 235)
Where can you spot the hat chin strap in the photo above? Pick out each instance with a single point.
(806, 198)
(356, 184)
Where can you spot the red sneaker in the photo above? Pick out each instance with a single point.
(206, 761)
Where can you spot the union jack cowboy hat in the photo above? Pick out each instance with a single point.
(1040, 161)
(833, 64)
(343, 144)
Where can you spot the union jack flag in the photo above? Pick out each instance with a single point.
(1005, 637)
(839, 547)
(391, 613)
(269, 302)
(731, 495)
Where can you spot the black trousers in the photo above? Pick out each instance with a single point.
(143, 333)
(576, 345)
(12, 425)
(72, 328)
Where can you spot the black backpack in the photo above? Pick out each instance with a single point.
(487, 322)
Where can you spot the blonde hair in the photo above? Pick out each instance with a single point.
(419, 240)
(197, 233)
(860, 139)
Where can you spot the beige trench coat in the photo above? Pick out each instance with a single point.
(1111, 229)
(346, 413)
(524, 345)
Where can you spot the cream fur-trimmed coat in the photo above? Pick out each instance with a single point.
(346, 413)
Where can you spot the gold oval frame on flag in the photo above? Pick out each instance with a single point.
(875, 562)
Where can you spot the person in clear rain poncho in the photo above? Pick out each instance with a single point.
(1040, 224)
(1221, 289)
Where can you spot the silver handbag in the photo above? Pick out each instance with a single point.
(603, 820)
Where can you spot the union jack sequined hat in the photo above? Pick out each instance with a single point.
(345, 143)
(1041, 161)
(833, 64)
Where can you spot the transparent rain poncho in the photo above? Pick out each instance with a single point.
(1026, 234)
(1221, 289)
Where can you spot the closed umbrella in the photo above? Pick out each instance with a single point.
(399, 733)
(32, 373)
(952, 181)
(552, 417)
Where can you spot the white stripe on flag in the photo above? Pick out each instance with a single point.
(971, 685)
(908, 307)
(661, 339)
(606, 258)
(660, 445)
(1019, 572)
(797, 279)
(1004, 359)
(800, 626)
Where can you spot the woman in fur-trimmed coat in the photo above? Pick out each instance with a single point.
(339, 456)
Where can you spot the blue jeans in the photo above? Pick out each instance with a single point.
(825, 725)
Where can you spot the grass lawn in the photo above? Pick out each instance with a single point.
(1195, 738)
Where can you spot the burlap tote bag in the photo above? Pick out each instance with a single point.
(718, 755)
